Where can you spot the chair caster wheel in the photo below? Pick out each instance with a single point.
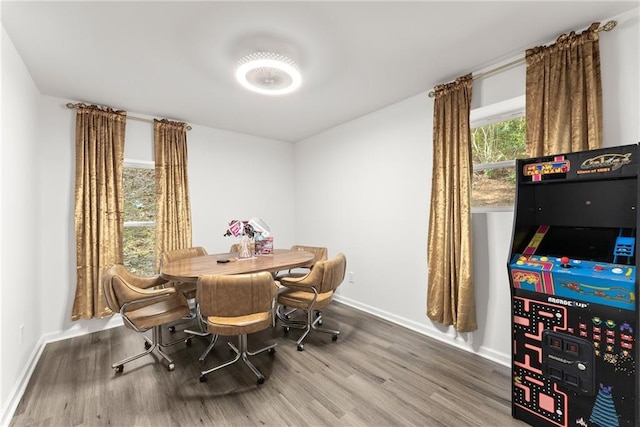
(286, 316)
(300, 347)
(171, 367)
(320, 322)
(272, 351)
(119, 369)
(286, 329)
(203, 378)
(188, 342)
(260, 380)
(147, 346)
(172, 329)
(334, 337)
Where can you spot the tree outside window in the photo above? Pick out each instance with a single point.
(139, 233)
(498, 137)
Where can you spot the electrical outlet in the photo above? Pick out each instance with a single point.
(351, 277)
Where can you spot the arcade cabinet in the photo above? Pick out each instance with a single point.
(572, 271)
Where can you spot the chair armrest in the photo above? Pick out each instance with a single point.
(299, 282)
(147, 297)
(293, 286)
(146, 282)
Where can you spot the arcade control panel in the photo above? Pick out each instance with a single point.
(589, 281)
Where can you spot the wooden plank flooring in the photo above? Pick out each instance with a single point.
(376, 374)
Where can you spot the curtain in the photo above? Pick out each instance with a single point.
(450, 295)
(173, 209)
(99, 204)
(564, 95)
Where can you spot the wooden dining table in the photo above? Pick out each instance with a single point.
(190, 269)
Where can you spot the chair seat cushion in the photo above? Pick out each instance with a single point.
(238, 325)
(301, 299)
(164, 311)
(291, 275)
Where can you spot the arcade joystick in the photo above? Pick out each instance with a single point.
(565, 261)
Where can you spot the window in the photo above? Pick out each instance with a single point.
(139, 234)
(498, 137)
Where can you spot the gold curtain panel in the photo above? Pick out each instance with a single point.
(450, 295)
(173, 208)
(99, 204)
(564, 95)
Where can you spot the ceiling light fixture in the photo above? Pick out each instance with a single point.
(268, 73)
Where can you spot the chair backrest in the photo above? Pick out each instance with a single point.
(107, 279)
(236, 247)
(326, 275)
(184, 253)
(319, 253)
(121, 286)
(236, 295)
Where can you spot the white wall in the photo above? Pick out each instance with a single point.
(620, 67)
(20, 272)
(372, 182)
(234, 176)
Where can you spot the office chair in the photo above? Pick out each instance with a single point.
(237, 305)
(310, 293)
(187, 288)
(144, 306)
(319, 254)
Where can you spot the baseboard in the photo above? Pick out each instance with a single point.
(455, 340)
(495, 356)
(20, 386)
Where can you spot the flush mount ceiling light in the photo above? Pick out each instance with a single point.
(268, 73)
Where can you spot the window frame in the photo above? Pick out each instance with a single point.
(489, 114)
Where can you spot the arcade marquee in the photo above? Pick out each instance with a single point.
(572, 271)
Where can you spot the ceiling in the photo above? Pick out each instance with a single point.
(177, 59)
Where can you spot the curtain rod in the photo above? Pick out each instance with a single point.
(71, 106)
(610, 25)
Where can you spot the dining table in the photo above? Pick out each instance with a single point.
(190, 269)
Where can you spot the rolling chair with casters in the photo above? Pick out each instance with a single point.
(143, 308)
(319, 254)
(188, 289)
(310, 293)
(237, 305)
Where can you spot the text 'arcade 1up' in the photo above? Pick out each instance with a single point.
(572, 270)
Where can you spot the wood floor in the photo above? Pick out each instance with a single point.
(376, 374)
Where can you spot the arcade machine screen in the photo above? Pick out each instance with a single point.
(572, 270)
(590, 244)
